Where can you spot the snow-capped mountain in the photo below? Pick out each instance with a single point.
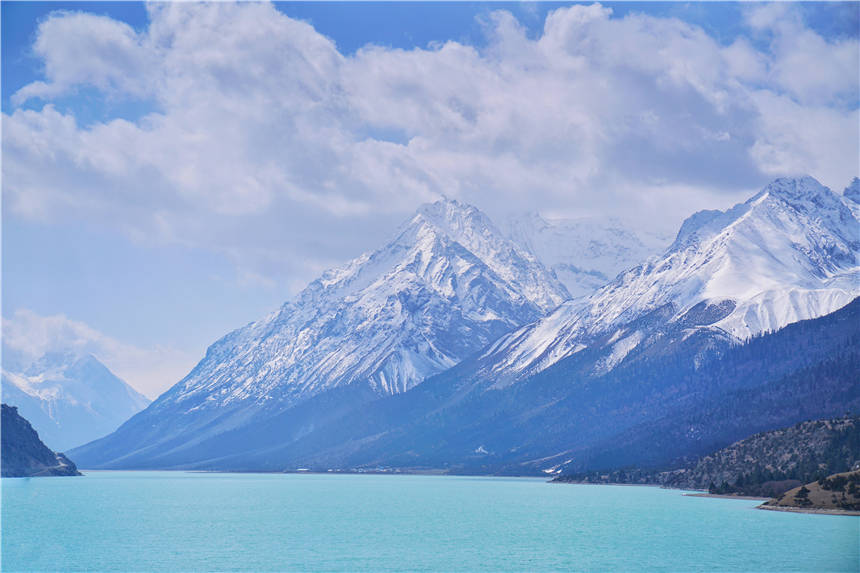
(852, 196)
(787, 254)
(584, 253)
(70, 399)
(448, 284)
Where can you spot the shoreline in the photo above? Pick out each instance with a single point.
(728, 496)
(813, 511)
(618, 484)
(327, 473)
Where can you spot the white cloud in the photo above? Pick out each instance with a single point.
(28, 336)
(84, 49)
(268, 144)
(810, 68)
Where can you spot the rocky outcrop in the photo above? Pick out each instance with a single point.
(23, 453)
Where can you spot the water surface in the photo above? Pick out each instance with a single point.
(176, 521)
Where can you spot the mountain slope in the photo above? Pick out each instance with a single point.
(765, 464)
(24, 454)
(71, 399)
(665, 337)
(804, 452)
(789, 253)
(584, 253)
(447, 285)
(655, 346)
(650, 412)
(837, 494)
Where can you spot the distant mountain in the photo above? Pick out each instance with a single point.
(448, 284)
(584, 253)
(70, 399)
(790, 253)
(24, 454)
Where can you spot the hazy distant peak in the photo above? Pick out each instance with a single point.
(585, 252)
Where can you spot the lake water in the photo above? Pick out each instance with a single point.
(175, 521)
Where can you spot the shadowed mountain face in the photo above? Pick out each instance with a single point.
(24, 454)
(321, 382)
(70, 399)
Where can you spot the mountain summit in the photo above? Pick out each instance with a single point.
(787, 254)
(448, 284)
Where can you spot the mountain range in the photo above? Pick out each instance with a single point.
(454, 347)
(787, 254)
(445, 286)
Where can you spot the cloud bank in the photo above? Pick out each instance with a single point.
(28, 336)
(266, 143)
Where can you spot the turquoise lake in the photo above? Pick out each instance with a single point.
(176, 521)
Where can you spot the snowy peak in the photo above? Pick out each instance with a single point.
(453, 218)
(784, 197)
(789, 253)
(437, 232)
(70, 397)
(447, 284)
(474, 231)
(795, 190)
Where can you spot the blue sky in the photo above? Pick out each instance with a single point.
(173, 172)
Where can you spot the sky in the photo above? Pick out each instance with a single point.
(171, 172)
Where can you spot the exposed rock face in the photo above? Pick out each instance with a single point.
(24, 454)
